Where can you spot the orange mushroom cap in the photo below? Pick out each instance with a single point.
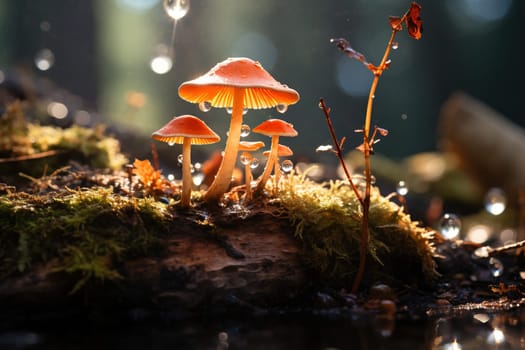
(278, 127)
(186, 126)
(282, 151)
(217, 85)
(250, 146)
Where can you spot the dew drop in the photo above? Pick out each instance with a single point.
(245, 130)
(287, 166)
(244, 111)
(171, 177)
(44, 59)
(404, 116)
(229, 110)
(197, 166)
(180, 158)
(161, 64)
(450, 225)
(245, 158)
(495, 201)
(192, 168)
(171, 143)
(205, 106)
(198, 178)
(254, 164)
(395, 45)
(496, 267)
(402, 188)
(281, 108)
(176, 9)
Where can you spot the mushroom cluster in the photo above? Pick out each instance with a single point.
(237, 84)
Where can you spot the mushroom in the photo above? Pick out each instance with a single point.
(274, 128)
(237, 83)
(282, 151)
(248, 146)
(186, 130)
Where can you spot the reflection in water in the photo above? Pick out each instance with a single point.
(322, 331)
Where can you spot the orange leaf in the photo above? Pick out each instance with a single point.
(414, 22)
(395, 23)
(149, 177)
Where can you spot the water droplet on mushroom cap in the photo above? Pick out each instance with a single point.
(205, 106)
(245, 130)
(281, 108)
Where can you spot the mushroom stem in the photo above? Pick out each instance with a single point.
(269, 164)
(223, 178)
(187, 180)
(276, 175)
(248, 176)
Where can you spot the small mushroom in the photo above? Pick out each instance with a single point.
(186, 130)
(245, 147)
(274, 128)
(237, 83)
(282, 151)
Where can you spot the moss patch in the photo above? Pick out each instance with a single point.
(327, 218)
(83, 232)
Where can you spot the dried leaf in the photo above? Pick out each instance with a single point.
(148, 176)
(382, 131)
(414, 22)
(396, 23)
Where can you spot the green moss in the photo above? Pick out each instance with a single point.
(327, 218)
(98, 149)
(19, 138)
(81, 232)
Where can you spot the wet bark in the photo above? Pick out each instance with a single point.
(256, 265)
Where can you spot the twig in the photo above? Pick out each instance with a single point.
(339, 149)
(31, 156)
(414, 25)
(495, 251)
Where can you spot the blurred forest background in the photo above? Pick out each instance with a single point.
(95, 59)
